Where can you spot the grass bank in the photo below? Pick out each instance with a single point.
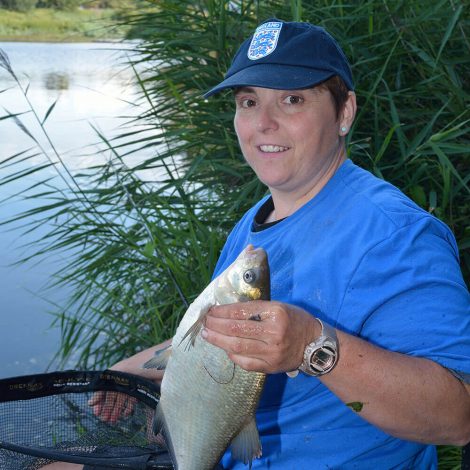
(46, 25)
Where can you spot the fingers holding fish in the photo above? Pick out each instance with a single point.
(248, 346)
(244, 320)
(255, 310)
(249, 354)
(237, 328)
(270, 344)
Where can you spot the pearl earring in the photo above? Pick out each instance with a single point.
(344, 129)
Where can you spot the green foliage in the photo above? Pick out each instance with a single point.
(411, 64)
(113, 4)
(59, 4)
(146, 232)
(449, 457)
(18, 5)
(42, 24)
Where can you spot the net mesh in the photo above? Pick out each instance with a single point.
(48, 418)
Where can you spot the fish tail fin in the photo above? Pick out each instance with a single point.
(246, 446)
(160, 359)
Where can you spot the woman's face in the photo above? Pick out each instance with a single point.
(290, 138)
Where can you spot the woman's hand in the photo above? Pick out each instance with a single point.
(112, 406)
(263, 336)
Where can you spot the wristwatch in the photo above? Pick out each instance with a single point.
(321, 355)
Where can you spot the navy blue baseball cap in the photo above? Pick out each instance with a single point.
(286, 56)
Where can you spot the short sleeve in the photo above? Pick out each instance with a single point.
(407, 295)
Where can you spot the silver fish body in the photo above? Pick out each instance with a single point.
(207, 402)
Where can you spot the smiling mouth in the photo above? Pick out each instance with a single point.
(272, 148)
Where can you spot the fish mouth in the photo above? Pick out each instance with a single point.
(252, 294)
(256, 254)
(250, 249)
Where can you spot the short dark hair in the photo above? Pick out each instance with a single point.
(338, 90)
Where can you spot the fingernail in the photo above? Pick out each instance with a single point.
(204, 333)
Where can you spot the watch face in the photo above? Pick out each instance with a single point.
(323, 358)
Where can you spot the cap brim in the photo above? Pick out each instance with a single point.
(278, 77)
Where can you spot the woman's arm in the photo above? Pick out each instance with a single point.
(409, 397)
(134, 364)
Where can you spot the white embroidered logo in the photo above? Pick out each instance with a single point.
(264, 40)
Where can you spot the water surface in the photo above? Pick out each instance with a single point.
(93, 85)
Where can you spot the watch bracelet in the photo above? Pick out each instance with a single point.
(328, 341)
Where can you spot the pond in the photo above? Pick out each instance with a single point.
(93, 85)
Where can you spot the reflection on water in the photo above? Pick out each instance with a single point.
(89, 65)
(56, 81)
(92, 85)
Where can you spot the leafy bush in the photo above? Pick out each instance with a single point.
(59, 4)
(42, 25)
(18, 5)
(116, 4)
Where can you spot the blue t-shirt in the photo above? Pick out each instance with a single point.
(363, 257)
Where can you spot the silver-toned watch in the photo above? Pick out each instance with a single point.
(321, 356)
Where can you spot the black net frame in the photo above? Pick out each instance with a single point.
(46, 418)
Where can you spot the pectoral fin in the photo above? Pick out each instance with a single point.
(160, 359)
(246, 446)
(195, 329)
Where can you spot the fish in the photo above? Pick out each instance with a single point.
(208, 403)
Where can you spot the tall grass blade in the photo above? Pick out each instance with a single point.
(145, 227)
(49, 111)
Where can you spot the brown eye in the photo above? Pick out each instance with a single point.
(249, 276)
(248, 103)
(293, 99)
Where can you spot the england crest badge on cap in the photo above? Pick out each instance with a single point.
(264, 40)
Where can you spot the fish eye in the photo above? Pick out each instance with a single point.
(249, 276)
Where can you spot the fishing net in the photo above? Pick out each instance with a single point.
(47, 418)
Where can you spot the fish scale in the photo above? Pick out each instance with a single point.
(192, 447)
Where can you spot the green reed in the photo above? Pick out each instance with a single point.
(143, 247)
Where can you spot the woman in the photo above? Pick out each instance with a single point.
(368, 299)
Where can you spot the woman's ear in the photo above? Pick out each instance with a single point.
(348, 113)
